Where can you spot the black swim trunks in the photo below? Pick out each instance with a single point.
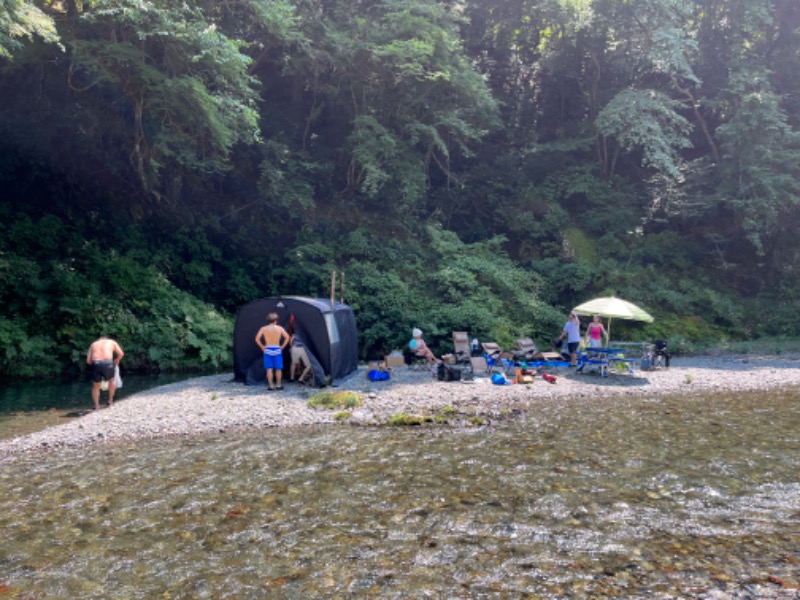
(102, 370)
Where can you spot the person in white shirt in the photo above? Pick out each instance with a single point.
(572, 331)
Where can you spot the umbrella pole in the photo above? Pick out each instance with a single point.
(609, 331)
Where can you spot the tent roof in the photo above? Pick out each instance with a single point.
(321, 304)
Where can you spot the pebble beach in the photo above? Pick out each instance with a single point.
(218, 404)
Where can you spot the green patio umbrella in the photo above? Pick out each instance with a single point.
(611, 307)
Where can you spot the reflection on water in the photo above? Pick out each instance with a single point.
(31, 406)
(679, 497)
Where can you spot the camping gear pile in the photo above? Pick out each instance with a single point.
(328, 330)
(522, 376)
(525, 360)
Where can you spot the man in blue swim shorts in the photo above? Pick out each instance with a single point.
(272, 339)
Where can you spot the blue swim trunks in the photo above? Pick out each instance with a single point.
(273, 358)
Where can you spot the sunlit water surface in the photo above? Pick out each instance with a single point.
(682, 497)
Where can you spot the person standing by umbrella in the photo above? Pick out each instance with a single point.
(572, 331)
(596, 332)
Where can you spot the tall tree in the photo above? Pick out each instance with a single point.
(21, 21)
(151, 89)
(391, 88)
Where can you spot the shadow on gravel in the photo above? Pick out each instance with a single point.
(613, 379)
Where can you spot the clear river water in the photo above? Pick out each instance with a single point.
(683, 497)
(33, 405)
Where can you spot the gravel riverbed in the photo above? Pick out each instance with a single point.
(216, 403)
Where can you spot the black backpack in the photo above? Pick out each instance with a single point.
(447, 373)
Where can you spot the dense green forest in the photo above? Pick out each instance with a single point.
(478, 164)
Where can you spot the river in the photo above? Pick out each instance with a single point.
(28, 406)
(683, 497)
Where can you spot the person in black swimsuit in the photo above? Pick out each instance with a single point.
(103, 357)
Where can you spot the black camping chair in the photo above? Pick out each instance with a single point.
(413, 361)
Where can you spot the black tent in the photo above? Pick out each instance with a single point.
(329, 333)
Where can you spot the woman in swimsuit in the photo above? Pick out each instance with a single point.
(421, 348)
(596, 333)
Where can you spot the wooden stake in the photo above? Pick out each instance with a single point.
(333, 288)
(341, 290)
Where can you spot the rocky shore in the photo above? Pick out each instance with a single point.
(216, 403)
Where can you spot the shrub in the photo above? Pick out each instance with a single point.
(336, 400)
(405, 420)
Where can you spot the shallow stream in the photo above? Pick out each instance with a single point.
(623, 497)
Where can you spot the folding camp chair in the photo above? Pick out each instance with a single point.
(461, 348)
(498, 357)
(479, 365)
(527, 351)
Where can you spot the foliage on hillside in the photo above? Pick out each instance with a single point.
(478, 166)
(60, 291)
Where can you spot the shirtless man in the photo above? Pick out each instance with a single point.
(103, 357)
(272, 339)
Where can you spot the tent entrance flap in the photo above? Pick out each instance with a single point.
(333, 330)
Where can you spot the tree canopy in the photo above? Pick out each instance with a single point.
(480, 164)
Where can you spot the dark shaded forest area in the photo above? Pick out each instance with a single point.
(479, 165)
